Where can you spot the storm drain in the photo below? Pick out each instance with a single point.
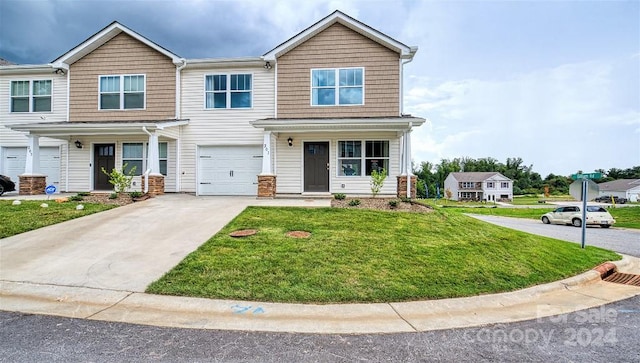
(622, 278)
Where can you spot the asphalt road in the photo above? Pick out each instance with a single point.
(625, 241)
(608, 333)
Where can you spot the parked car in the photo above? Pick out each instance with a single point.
(609, 198)
(572, 215)
(6, 185)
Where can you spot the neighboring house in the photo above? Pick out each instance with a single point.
(623, 188)
(315, 115)
(480, 186)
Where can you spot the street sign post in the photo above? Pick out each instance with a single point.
(588, 190)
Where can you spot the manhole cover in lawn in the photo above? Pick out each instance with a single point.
(298, 234)
(243, 233)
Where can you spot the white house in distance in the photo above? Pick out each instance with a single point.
(622, 188)
(489, 186)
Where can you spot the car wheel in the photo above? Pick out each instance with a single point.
(545, 220)
(1, 189)
(605, 225)
(576, 222)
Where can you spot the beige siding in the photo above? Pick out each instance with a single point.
(220, 126)
(339, 46)
(123, 55)
(289, 163)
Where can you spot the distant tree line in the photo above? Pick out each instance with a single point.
(525, 181)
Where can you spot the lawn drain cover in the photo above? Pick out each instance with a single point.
(298, 234)
(243, 233)
(622, 278)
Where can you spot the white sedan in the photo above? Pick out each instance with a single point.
(573, 216)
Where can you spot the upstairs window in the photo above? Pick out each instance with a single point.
(339, 86)
(31, 96)
(228, 91)
(491, 185)
(504, 185)
(126, 92)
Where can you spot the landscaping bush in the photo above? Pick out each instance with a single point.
(354, 202)
(113, 195)
(393, 203)
(339, 196)
(76, 198)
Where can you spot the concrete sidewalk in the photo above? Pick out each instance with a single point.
(101, 273)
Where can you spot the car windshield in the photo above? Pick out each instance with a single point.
(593, 208)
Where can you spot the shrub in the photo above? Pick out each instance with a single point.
(113, 195)
(393, 203)
(84, 194)
(76, 198)
(119, 179)
(405, 200)
(377, 180)
(354, 202)
(135, 194)
(339, 196)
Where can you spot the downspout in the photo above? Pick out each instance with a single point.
(407, 137)
(178, 116)
(146, 172)
(408, 159)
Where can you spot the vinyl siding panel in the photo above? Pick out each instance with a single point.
(220, 126)
(289, 161)
(123, 55)
(338, 47)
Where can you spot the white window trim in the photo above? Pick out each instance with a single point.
(145, 156)
(30, 96)
(363, 158)
(228, 90)
(491, 185)
(336, 87)
(504, 185)
(122, 93)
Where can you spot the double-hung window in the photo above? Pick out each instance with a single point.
(123, 92)
(504, 185)
(352, 161)
(228, 91)
(491, 185)
(337, 86)
(31, 96)
(136, 154)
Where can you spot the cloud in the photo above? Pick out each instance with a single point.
(564, 118)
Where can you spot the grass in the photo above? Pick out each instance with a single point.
(370, 256)
(627, 217)
(29, 215)
(534, 200)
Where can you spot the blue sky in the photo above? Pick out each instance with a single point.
(556, 83)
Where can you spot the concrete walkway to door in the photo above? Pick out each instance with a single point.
(124, 248)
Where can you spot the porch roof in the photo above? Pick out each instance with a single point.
(338, 124)
(64, 129)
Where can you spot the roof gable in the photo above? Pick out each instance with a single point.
(102, 37)
(337, 16)
(620, 185)
(478, 176)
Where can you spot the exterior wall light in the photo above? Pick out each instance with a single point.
(290, 141)
(78, 144)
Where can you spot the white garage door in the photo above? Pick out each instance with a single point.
(229, 170)
(14, 159)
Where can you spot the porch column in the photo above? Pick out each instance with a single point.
(31, 181)
(407, 142)
(266, 179)
(266, 154)
(154, 155)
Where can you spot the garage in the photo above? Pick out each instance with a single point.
(14, 159)
(229, 170)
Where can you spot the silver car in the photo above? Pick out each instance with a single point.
(572, 215)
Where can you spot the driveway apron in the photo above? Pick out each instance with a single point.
(124, 248)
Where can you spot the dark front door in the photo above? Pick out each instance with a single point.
(104, 156)
(316, 166)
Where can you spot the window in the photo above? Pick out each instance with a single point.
(348, 90)
(351, 161)
(467, 185)
(504, 185)
(228, 91)
(491, 184)
(125, 92)
(136, 154)
(31, 96)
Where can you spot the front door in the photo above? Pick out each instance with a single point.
(316, 166)
(104, 156)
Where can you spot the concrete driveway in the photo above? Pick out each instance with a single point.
(124, 248)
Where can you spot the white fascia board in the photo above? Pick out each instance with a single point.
(93, 128)
(304, 125)
(25, 69)
(224, 62)
(405, 51)
(104, 36)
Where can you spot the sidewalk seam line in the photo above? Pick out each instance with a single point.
(110, 306)
(401, 317)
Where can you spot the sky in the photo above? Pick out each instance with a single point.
(556, 83)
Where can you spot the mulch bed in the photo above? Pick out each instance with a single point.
(381, 204)
(103, 198)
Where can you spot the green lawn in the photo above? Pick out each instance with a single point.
(534, 200)
(370, 256)
(15, 219)
(627, 217)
